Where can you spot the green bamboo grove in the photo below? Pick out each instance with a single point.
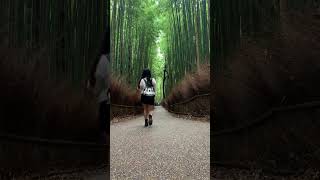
(157, 34)
(133, 37)
(69, 32)
(187, 37)
(234, 19)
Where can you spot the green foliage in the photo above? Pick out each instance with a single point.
(134, 33)
(157, 69)
(152, 33)
(185, 41)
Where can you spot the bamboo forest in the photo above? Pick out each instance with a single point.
(237, 94)
(171, 35)
(68, 33)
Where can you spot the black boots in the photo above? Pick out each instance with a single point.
(146, 121)
(150, 119)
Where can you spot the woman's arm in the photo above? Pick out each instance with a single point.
(141, 85)
(102, 75)
(138, 86)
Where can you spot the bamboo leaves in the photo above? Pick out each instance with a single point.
(133, 37)
(188, 38)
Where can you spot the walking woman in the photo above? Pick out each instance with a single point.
(100, 82)
(147, 86)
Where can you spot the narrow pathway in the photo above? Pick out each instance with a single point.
(172, 148)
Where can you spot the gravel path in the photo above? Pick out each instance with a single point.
(172, 148)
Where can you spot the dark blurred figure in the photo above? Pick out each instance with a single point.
(99, 81)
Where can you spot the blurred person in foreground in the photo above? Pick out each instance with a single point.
(99, 82)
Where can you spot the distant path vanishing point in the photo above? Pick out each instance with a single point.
(172, 148)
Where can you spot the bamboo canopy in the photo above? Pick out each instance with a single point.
(187, 39)
(182, 27)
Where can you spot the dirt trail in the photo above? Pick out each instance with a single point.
(172, 148)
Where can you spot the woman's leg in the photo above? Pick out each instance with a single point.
(150, 109)
(103, 119)
(145, 113)
(147, 107)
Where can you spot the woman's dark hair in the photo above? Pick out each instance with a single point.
(146, 73)
(104, 50)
